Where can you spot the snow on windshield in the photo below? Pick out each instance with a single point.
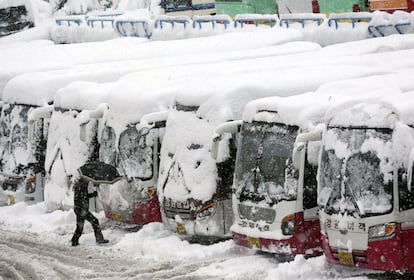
(17, 151)
(136, 153)
(359, 159)
(264, 172)
(186, 166)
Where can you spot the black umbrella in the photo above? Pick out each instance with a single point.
(99, 172)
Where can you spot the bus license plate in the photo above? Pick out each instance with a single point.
(181, 229)
(10, 199)
(345, 258)
(253, 242)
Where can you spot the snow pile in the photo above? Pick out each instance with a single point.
(81, 95)
(304, 110)
(29, 57)
(367, 112)
(134, 96)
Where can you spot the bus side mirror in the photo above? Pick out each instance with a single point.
(85, 117)
(148, 122)
(298, 150)
(153, 120)
(82, 132)
(301, 141)
(215, 146)
(30, 130)
(232, 127)
(38, 113)
(143, 132)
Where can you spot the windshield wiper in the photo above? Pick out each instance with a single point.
(242, 197)
(354, 202)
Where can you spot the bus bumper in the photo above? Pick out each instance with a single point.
(385, 254)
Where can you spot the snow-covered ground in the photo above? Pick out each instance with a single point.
(35, 245)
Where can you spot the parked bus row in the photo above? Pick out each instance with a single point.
(35, 90)
(275, 197)
(157, 126)
(278, 189)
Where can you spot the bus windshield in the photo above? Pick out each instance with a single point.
(356, 183)
(17, 151)
(264, 170)
(135, 155)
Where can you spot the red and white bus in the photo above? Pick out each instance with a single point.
(275, 200)
(364, 184)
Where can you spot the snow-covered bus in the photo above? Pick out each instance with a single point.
(65, 152)
(365, 183)
(133, 150)
(274, 200)
(15, 16)
(188, 7)
(21, 160)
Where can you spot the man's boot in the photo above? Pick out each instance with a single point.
(75, 241)
(99, 237)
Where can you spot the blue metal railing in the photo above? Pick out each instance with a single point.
(378, 30)
(133, 28)
(68, 21)
(199, 20)
(270, 20)
(352, 17)
(159, 22)
(92, 20)
(302, 19)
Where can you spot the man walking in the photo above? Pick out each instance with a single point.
(81, 208)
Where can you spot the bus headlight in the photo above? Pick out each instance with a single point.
(30, 185)
(207, 210)
(150, 192)
(288, 225)
(381, 231)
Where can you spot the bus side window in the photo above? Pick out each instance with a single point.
(310, 196)
(406, 196)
